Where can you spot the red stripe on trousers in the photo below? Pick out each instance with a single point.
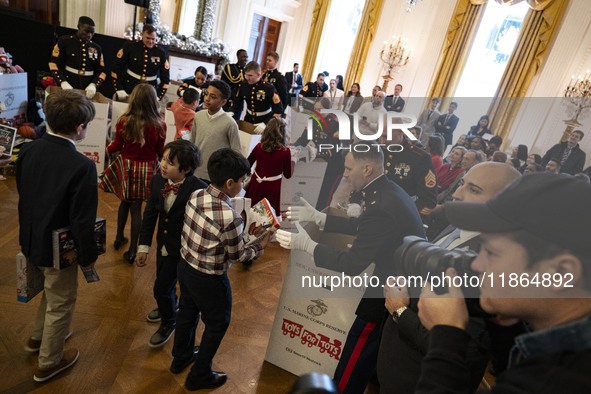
(369, 327)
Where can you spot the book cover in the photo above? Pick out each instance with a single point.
(90, 274)
(64, 250)
(29, 279)
(260, 215)
(7, 138)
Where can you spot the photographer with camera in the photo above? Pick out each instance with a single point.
(388, 215)
(535, 265)
(404, 340)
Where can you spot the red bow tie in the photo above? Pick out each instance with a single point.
(168, 188)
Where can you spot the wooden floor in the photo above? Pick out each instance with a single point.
(110, 328)
(111, 331)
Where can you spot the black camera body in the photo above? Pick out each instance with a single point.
(417, 258)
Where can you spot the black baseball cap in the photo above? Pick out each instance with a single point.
(553, 207)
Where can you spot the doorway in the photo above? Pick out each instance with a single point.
(264, 35)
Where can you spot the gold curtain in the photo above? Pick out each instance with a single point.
(365, 33)
(460, 35)
(318, 18)
(537, 32)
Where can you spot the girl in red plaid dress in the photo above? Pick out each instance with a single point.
(139, 139)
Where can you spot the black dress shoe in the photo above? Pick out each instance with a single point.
(179, 365)
(119, 243)
(130, 258)
(213, 380)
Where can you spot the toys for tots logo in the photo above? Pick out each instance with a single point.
(324, 343)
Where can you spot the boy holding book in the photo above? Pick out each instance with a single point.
(170, 191)
(57, 187)
(211, 241)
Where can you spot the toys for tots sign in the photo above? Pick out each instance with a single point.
(308, 338)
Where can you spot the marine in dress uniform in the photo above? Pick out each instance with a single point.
(233, 75)
(412, 169)
(388, 216)
(77, 60)
(137, 62)
(312, 90)
(197, 82)
(275, 78)
(262, 102)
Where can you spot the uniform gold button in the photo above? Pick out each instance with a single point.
(165, 231)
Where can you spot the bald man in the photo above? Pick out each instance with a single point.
(369, 113)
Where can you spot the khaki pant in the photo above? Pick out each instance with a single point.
(55, 313)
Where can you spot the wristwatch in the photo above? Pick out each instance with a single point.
(396, 315)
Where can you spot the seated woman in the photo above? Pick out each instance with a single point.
(352, 100)
(448, 172)
(534, 158)
(519, 152)
(494, 145)
(478, 143)
(198, 82)
(435, 148)
(481, 128)
(461, 141)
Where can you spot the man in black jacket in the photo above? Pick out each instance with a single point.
(294, 83)
(447, 123)
(534, 264)
(570, 156)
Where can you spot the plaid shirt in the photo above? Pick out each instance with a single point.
(212, 233)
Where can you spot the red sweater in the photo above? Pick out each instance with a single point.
(151, 150)
(447, 175)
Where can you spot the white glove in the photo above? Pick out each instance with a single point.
(312, 151)
(354, 210)
(121, 95)
(260, 127)
(296, 241)
(306, 213)
(90, 90)
(66, 85)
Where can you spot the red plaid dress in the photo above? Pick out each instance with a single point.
(129, 174)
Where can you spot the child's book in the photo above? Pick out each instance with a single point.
(260, 215)
(64, 250)
(29, 279)
(7, 138)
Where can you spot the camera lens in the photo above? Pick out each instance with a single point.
(418, 257)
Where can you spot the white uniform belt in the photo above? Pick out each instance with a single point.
(258, 113)
(267, 178)
(137, 76)
(79, 72)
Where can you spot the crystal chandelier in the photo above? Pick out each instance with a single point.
(394, 55)
(578, 94)
(410, 4)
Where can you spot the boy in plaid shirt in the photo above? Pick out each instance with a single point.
(211, 241)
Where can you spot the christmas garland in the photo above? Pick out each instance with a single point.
(203, 46)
